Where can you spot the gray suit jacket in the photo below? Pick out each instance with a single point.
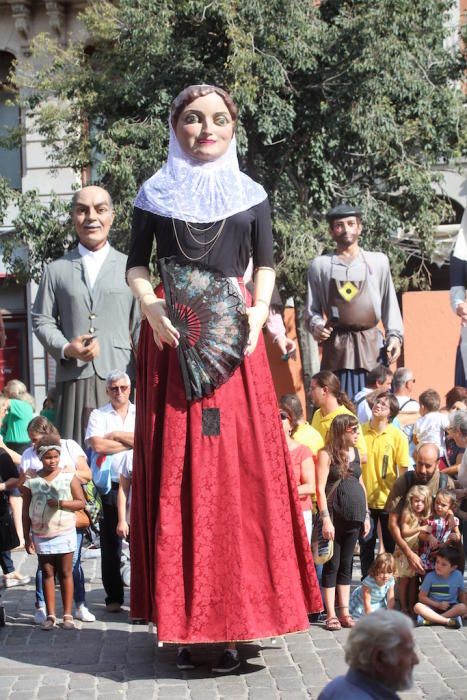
(64, 303)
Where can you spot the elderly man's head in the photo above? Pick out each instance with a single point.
(92, 214)
(403, 381)
(458, 428)
(381, 646)
(426, 462)
(118, 385)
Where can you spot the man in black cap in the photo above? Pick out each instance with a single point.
(349, 292)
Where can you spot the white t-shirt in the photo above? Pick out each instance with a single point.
(30, 462)
(363, 409)
(431, 428)
(105, 420)
(407, 405)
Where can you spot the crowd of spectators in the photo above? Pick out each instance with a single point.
(384, 478)
(401, 495)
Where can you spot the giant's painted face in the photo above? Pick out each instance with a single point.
(205, 128)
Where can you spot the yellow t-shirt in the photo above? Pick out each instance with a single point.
(386, 453)
(323, 423)
(305, 434)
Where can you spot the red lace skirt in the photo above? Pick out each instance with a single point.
(218, 543)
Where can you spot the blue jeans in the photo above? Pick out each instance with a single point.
(79, 595)
(6, 562)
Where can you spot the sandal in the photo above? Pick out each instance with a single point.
(49, 623)
(68, 622)
(332, 624)
(347, 621)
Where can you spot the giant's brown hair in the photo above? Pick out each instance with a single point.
(192, 92)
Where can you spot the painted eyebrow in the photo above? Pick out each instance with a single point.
(216, 114)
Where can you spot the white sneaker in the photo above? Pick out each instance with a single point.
(83, 614)
(40, 616)
(18, 580)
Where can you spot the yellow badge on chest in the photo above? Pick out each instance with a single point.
(348, 290)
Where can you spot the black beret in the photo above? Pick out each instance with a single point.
(342, 212)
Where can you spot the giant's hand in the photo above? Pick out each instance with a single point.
(257, 316)
(287, 346)
(155, 311)
(393, 348)
(84, 347)
(322, 334)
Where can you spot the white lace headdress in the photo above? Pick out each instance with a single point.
(197, 191)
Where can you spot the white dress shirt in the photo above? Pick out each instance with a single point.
(105, 420)
(93, 261)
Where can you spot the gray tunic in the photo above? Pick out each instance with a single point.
(370, 269)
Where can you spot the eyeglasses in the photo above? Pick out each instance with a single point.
(283, 415)
(117, 389)
(354, 429)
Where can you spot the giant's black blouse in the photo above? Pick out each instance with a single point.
(245, 234)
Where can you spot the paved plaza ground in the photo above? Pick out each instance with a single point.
(114, 660)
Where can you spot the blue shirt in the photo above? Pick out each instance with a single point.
(355, 685)
(378, 596)
(443, 590)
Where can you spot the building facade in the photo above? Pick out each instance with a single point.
(28, 168)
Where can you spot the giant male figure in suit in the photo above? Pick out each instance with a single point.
(85, 314)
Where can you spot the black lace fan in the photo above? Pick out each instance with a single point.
(209, 313)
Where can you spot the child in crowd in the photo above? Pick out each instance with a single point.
(442, 526)
(442, 598)
(417, 508)
(432, 424)
(376, 590)
(51, 498)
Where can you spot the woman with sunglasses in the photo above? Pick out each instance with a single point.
(304, 471)
(343, 513)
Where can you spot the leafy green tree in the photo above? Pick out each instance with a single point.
(343, 100)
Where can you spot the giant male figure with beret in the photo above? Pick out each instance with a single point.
(85, 314)
(349, 292)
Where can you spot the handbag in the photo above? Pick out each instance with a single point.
(321, 548)
(82, 519)
(93, 500)
(100, 468)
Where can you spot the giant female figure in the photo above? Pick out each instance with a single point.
(218, 545)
